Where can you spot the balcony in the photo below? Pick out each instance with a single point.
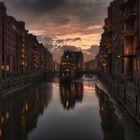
(108, 35)
(123, 4)
(107, 26)
(129, 14)
(128, 52)
(127, 55)
(129, 34)
(128, 31)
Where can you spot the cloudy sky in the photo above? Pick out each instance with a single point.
(60, 23)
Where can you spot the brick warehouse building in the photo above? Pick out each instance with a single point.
(119, 53)
(21, 55)
(72, 64)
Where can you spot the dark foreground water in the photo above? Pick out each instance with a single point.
(53, 111)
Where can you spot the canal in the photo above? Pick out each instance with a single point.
(48, 110)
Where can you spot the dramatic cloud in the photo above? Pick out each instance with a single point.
(66, 22)
(88, 53)
(62, 41)
(73, 39)
(47, 41)
(58, 52)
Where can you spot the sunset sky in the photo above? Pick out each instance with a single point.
(63, 22)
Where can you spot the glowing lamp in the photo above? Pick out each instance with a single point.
(2, 67)
(7, 68)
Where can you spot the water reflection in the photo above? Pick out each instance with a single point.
(71, 93)
(20, 111)
(36, 113)
(110, 124)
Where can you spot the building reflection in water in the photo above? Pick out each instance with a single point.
(71, 93)
(110, 124)
(19, 112)
(52, 78)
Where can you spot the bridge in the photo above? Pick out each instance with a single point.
(88, 72)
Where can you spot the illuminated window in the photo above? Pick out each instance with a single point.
(7, 68)
(23, 63)
(7, 115)
(26, 107)
(13, 27)
(2, 67)
(23, 56)
(23, 50)
(2, 119)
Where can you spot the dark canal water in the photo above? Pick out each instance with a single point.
(53, 111)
